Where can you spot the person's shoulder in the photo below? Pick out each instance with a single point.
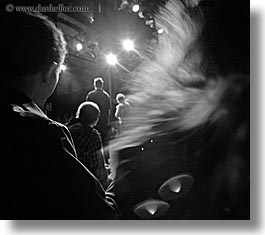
(75, 126)
(57, 129)
(95, 133)
(31, 121)
(28, 115)
(106, 94)
(90, 93)
(76, 129)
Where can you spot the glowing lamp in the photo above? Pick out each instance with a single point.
(79, 46)
(111, 59)
(136, 8)
(128, 45)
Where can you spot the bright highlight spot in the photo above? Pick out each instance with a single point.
(151, 208)
(63, 67)
(160, 31)
(175, 186)
(140, 14)
(79, 46)
(111, 59)
(136, 8)
(128, 45)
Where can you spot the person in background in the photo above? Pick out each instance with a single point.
(122, 109)
(41, 177)
(102, 99)
(87, 141)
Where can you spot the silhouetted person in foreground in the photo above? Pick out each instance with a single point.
(41, 177)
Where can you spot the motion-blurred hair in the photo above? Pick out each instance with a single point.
(179, 96)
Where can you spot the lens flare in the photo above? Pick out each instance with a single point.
(111, 59)
(128, 45)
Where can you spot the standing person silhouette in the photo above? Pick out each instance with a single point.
(122, 109)
(102, 99)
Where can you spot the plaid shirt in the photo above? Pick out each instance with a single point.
(89, 150)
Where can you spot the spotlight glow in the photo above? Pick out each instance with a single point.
(79, 46)
(128, 45)
(136, 8)
(111, 59)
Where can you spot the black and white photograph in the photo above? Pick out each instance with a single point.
(129, 110)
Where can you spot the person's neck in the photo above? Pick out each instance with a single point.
(33, 95)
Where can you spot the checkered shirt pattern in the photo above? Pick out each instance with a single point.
(89, 150)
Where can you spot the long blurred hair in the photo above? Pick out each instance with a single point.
(170, 91)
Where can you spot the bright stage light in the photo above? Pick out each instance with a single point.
(160, 31)
(136, 8)
(111, 59)
(63, 67)
(128, 45)
(79, 46)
